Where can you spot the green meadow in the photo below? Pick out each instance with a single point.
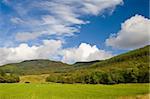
(72, 91)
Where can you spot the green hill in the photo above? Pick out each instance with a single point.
(135, 58)
(133, 63)
(130, 67)
(39, 66)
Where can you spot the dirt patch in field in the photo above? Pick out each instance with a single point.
(147, 96)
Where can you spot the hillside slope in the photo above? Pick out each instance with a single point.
(130, 67)
(135, 58)
(39, 66)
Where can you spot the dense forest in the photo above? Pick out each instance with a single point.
(129, 75)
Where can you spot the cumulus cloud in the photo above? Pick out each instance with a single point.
(134, 33)
(61, 17)
(85, 52)
(31, 19)
(52, 49)
(49, 49)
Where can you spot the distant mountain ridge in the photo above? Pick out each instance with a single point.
(133, 58)
(37, 66)
(86, 63)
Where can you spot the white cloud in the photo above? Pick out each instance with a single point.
(95, 7)
(16, 20)
(59, 18)
(25, 36)
(49, 49)
(134, 33)
(52, 49)
(85, 52)
(63, 16)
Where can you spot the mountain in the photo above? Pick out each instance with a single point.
(137, 58)
(39, 66)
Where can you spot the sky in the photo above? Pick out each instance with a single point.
(71, 30)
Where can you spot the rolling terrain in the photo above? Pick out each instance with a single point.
(136, 58)
(130, 67)
(39, 66)
(135, 64)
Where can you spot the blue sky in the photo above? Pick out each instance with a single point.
(100, 27)
(71, 30)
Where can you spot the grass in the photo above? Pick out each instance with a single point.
(71, 91)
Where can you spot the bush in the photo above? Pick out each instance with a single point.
(8, 78)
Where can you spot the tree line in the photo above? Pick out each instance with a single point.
(8, 77)
(115, 76)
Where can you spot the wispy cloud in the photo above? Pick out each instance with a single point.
(31, 19)
(59, 17)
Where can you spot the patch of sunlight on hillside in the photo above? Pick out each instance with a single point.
(33, 78)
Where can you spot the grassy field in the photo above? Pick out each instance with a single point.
(72, 91)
